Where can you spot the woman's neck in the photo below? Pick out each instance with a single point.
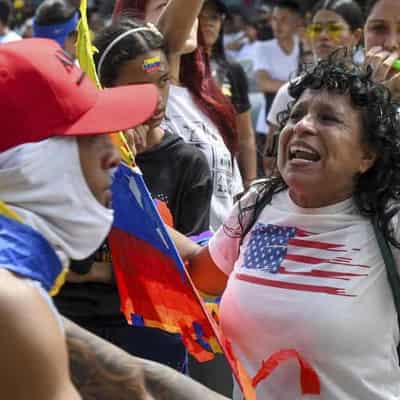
(154, 137)
(208, 50)
(287, 44)
(174, 69)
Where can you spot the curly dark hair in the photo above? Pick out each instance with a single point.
(127, 49)
(377, 191)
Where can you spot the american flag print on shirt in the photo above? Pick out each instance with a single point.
(290, 258)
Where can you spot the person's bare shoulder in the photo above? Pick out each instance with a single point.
(32, 345)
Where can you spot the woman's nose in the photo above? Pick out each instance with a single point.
(305, 125)
(392, 41)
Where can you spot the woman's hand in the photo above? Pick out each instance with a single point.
(382, 62)
(137, 138)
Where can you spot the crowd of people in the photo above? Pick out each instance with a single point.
(274, 127)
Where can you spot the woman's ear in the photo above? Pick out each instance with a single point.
(367, 161)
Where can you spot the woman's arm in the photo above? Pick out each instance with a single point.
(205, 274)
(247, 148)
(176, 22)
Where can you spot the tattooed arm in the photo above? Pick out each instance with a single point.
(102, 371)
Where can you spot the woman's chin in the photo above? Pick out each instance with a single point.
(301, 182)
(189, 47)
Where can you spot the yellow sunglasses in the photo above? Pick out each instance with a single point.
(333, 29)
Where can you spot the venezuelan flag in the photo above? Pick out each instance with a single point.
(27, 253)
(154, 287)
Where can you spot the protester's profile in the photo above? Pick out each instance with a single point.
(55, 165)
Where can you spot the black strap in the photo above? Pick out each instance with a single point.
(391, 269)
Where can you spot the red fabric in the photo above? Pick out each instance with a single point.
(165, 213)
(309, 380)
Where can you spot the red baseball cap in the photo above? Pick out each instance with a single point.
(44, 94)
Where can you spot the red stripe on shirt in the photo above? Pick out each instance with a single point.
(292, 286)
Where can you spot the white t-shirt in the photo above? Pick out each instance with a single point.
(233, 37)
(184, 117)
(279, 65)
(10, 36)
(312, 280)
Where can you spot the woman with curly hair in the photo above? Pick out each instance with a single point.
(298, 257)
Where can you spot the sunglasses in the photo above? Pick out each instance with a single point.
(334, 30)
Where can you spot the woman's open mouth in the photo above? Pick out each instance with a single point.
(300, 152)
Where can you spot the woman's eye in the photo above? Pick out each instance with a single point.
(295, 116)
(329, 118)
(163, 82)
(378, 28)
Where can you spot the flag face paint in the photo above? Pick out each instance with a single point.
(152, 64)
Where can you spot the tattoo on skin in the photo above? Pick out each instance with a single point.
(101, 374)
(101, 371)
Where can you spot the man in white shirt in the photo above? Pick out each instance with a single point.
(6, 34)
(278, 58)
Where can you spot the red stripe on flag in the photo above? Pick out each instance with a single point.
(293, 286)
(316, 245)
(322, 274)
(314, 260)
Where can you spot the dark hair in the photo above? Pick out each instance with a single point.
(54, 12)
(291, 5)
(195, 74)
(5, 11)
(127, 49)
(349, 10)
(377, 191)
(369, 5)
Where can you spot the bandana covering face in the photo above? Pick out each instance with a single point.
(43, 182)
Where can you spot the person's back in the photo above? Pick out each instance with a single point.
(178, 174)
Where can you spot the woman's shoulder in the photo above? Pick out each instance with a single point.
(256, 191)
